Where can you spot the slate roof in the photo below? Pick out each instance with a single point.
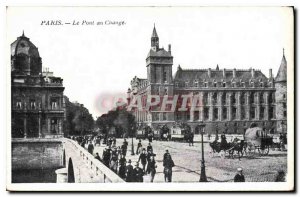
(159, 53)
(282, 71)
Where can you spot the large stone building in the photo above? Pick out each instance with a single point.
(37, 105)
(230, 99)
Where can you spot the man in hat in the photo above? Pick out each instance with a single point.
(149, 148)
(151, 168)
(106, 156)
(129, 172)
(124, 149)
(239, 177)
(91, 148)
(143, 159)
(122, 168)
(114, 160)
(168, 164)
(138, 173)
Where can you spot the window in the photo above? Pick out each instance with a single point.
(243, 84)
(233, 99)
(19, 104)
(216, 114)
(252, 98)
(271, 112)
(54, 126)
(215, 84)
(224, 84)
(234, 109)
(243, 113)
(243, 98)
(32, 104)
(261, 84)
(262, 113)
(225, 113)
(206, 113)
(271, 97)
(54, 103)
(154, 116)
(164, 116)
(205, 84)
(261, 98)
(214, 98)
(223, 98)
(196, 115)
(283, 96)
(252, 112)
(165, 77)
(205, 98)
(166, 91)
(176, 84)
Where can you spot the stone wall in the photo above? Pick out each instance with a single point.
(36, 154)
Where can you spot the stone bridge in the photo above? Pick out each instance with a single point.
(74, 164)
(82, 167)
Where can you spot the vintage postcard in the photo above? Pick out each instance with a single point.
(150, 98)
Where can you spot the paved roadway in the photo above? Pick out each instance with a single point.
(187, 161)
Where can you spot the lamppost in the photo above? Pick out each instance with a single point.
(202, 175)
(217, 132)
(132, 146)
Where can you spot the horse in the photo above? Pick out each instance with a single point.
(238, 146)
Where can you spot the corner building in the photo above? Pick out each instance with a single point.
(230, 99)
(37, 105)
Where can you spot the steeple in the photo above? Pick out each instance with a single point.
(23, 35)
(281, 74)
(217, 67)
(154, 40)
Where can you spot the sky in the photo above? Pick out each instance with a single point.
(97, 62)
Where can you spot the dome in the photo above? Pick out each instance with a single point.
(23, 45)
(25, 57)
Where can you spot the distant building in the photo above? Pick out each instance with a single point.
(230, 99)
(37, 102)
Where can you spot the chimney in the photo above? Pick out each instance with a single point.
(252, 73)
(234, 73)
(209, 72)
(169, 49)
(224, 72)
(270, 73)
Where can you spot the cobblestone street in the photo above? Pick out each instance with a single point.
(187, 162)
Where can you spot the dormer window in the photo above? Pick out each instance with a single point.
(205, 84)
(196, 83)
(186, 84)
(224, 84)
(261, 84)
(215, 84)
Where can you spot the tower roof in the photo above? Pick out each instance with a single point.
(154, 33)
(282, 71)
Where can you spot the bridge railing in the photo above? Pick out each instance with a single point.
(99, 170)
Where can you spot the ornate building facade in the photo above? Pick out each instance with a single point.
(230, 99)
(37, 104)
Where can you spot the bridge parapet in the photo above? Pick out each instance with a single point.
(86, 167)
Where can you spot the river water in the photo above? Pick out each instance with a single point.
(34, 176)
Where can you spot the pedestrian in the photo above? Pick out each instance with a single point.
(119, 151)
(97, 157)
(114, 141)
(151, 168)
(124, 149)
(191, 139)
(239, 177)
(129, 172)
(114, 160)
(125, 142)
(106, 157)
(91, 148)
(168, 164)
(143, 159)
(149, 148)
(150, 137)
(138, 148)
(109, 141)
(122, 168)
(138, 173)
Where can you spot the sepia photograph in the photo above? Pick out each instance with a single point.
(150, 98)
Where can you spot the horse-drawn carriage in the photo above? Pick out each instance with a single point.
(224, 148)
(258, 140)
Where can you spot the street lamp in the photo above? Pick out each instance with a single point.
(217, 132)
(203, 178)
(132, 146)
